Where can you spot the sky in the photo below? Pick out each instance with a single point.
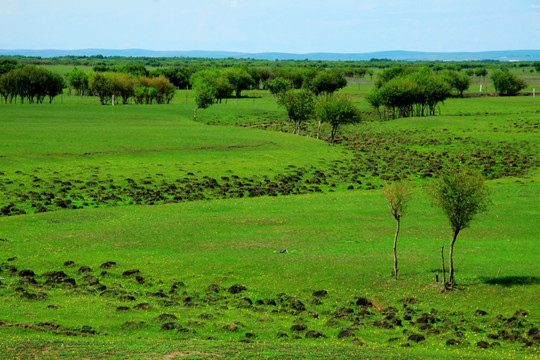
(253, 26)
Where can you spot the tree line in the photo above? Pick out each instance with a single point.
(141, 89)
(30, 83)
(418, 91)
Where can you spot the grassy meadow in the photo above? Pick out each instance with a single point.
(147, 235)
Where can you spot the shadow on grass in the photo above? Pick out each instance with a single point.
(508, 281)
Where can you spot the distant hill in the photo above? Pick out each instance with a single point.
(505, 55)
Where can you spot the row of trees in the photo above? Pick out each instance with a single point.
(404, 92)
(31, 83)
(314, 78)
(211, 86)
(415, 91)
(141, 89)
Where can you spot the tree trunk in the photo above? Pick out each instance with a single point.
(443, 269)
(195, 114)
(451, 260)
(395, 271)
(319, 130)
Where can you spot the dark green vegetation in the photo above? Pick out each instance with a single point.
(30, 83)
(248, 270)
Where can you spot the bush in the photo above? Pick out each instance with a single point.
(507, 84)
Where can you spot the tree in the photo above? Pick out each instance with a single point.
(6, 65)
(55, 85)
(279, 85)
(217, 79)
(240, 79)
(458, 80)
(461, 194)
(397, 194)
(336, 110)
(409, 92)
(506, 83)
(299, 106)
(328, 81)
(78, 79)
(102, 86)
(205, 95)
(481, 72)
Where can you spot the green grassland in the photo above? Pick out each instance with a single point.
(204, 209)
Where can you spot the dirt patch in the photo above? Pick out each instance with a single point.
(186, 353)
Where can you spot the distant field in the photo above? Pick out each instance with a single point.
(203, 209)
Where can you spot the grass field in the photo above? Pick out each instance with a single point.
(203, 211)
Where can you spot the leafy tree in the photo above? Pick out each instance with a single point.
(371, 73)
(399, 95)
(481, 72)
(217, 79)
(256, 75)
(458, 80)
(409, 94)
(178, 76)
(397, 194)
(133, 69)
(328, 81)
(78, 79)
(122, 86)
(375, 100)
(279, 85)
(101, 85)
(31, 83)
(6, 65)
(299, 106)
(55, 85)
(536, 66)
(461, 194)
(388, 74)
(205, 95)
(240, 79)
(506, 83)
(433, 89)
(165, 90)
(336, 110)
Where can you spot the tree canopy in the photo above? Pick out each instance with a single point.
(299, 105)
(506, 83)
(461, 194)
(336, 110)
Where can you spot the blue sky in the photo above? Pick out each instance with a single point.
(302, 26)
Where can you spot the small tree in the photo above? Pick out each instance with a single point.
(461, 194)
(481, 72)
(78, 80)
(205, 95)
(299, 106)
(397, 194)
(101, 85)
(336, 110)
(279, 85)
(240, 79)
(458, 80)
(55, 85)
(328, 81)
(506, 83)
